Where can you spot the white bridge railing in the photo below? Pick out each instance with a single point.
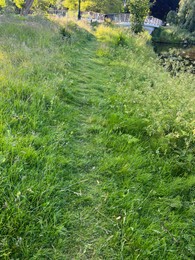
(120, 18)
(58, 12)
(150, 20)
(93, 16)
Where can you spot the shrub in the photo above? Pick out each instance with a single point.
(113, 36)
(172, 18)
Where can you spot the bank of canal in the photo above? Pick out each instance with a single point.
(176, 58)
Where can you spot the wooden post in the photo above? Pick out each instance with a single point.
(79, 10)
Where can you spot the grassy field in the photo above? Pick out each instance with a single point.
(96, 145)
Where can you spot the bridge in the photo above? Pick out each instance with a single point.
(122, 19)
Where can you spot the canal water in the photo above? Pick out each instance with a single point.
(176, 58)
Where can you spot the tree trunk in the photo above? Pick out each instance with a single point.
(26, 8)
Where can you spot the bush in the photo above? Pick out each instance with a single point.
(113, 36)
(172, 34)
(172, 18)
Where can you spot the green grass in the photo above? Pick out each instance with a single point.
(96, 146)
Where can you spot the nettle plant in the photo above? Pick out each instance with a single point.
(171, 127)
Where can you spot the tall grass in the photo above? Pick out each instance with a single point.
(96, 145)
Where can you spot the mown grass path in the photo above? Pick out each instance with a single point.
(89, 166)
(91, 228)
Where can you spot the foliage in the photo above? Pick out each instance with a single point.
(139, 11)
(2, 3)
(96, 146)
(104, 6)
(172, 18)
(114, 37)
(43, 4)
(187, 14)
(177, 61)
(25, 6)
(173, 34)
(19, 3)
(73, 4)
(108, 6)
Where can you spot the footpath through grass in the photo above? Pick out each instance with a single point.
(96, 146)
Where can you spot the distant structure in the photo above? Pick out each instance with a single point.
(123, 19)
(59, 12)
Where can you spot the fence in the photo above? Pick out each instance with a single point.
(119, 18)
(57, 12)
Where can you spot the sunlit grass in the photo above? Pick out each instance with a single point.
(96, 146)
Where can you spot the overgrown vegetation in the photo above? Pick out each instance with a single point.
(173, 34)
(186, 15)
(176, 61)
(182, 29)
(96, 145)
(139, 10)
(103, 6)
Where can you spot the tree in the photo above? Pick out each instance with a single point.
(71, 4)
(172, 18)
(24, 5)
(138, 12)
(103, 6)
(108, 6)
(44, 4)
(2, 3)
(186, 14)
